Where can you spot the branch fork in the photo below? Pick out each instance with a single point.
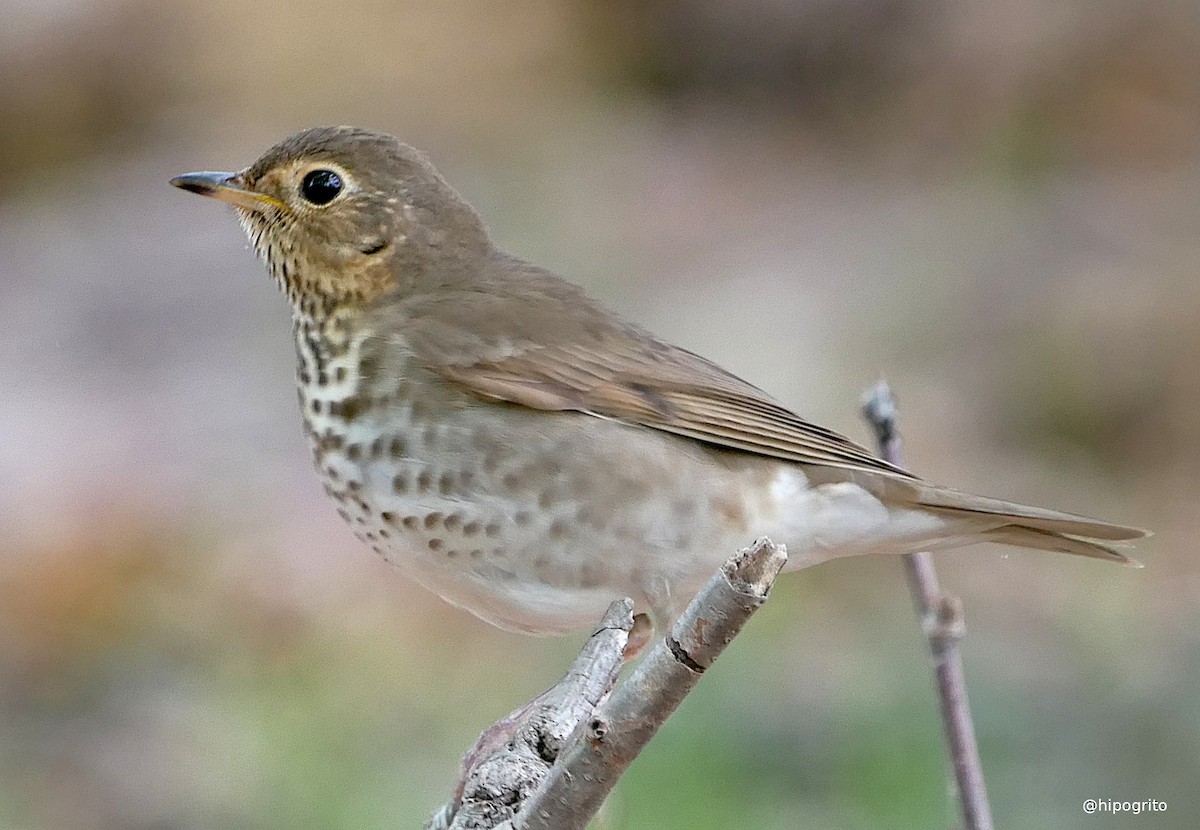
(563, 753)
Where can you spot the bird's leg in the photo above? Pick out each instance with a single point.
(640, 636)
(655, 622)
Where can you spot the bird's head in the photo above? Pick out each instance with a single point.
(344, 215)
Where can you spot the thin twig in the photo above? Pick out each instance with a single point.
(942, 618)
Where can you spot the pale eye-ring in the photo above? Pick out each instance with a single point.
(320, 187)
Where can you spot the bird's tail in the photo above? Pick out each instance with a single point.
(1029, 537)
(1034, 527)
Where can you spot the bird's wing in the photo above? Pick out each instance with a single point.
(676, 396)
(557, 350)
(549, 347)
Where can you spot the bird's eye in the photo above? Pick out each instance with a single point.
(321, 186)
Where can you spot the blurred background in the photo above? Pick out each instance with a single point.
(992, 202)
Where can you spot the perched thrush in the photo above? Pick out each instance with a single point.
(521, 450)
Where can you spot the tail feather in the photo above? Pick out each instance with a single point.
(1052, 523)
(1031, 537)
(970, 519)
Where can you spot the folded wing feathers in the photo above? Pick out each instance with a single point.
(774, 429)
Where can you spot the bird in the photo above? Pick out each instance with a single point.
(520, 449)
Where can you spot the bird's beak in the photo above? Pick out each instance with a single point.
(227, 187)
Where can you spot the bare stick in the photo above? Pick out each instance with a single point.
(566, 753)
(623, 725)
(513, 756)
(942, 618)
